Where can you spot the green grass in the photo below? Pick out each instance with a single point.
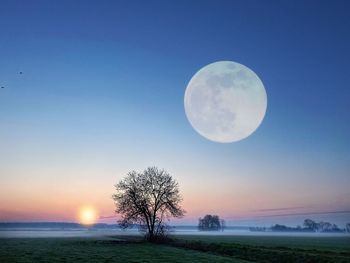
(336, 244)
(193, 249)
(271, 248)
(51, 250)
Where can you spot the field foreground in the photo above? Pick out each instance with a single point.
(78, 250)
(182, 249)
(272, 248)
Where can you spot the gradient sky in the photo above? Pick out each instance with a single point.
(102, 94)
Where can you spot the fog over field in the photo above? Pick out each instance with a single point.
(187, 230)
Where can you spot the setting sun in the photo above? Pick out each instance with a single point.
(87, 215)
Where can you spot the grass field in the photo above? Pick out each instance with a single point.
(272, 248)
(183, 249)
(329, 243)
(78, 250)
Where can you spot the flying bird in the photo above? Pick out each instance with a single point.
(2, 87)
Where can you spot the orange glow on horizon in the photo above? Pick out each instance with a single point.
(87, 215)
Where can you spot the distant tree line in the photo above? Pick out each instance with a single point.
(308, 226)
(321, 226)
(211, 223)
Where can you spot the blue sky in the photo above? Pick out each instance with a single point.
(102, 93)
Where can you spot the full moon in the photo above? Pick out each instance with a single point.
(225, 101)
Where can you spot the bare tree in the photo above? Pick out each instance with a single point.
(324, 226)
(223, 224)
(211, 222)
(310, 224)
(148, 199)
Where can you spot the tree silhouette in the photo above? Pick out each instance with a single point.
(148, 199)
(324, 226)
(310, 224)
(211, 222)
